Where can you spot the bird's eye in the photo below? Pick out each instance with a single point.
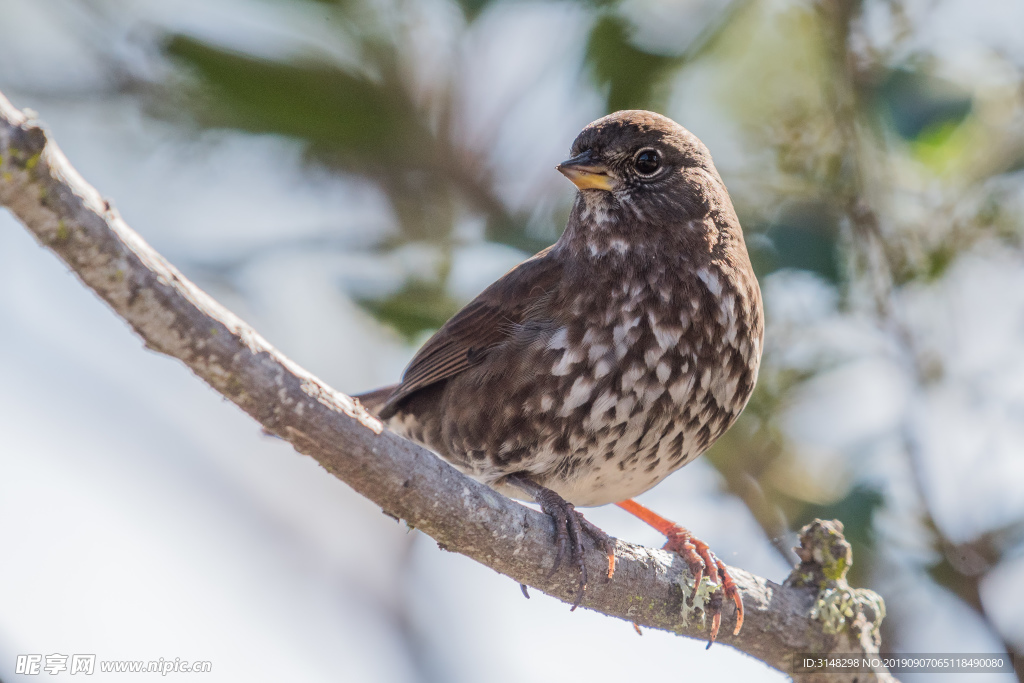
(647, 162)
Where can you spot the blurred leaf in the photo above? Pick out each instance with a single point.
(938, 260)
(945, 145)
(347, 120)
(805, 248)
(417, 307)
(627, 72)
(804, 237)
(513, 231)
(340, 114)
(855, 510)
(916, 103)
(473, 8)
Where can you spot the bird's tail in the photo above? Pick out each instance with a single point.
(375, 400)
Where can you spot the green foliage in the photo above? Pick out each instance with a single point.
(627, 73)
(855, 510)
(473, 8)
(357, 123)
(343, 116)
(917, 104)
(804, 237)
(416, 308)
(513, 231)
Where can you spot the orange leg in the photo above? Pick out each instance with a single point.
(698, 558)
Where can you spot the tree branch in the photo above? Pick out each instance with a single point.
(809, 614)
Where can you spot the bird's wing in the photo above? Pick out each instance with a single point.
(487, 321)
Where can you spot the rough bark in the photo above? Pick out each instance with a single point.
(814, 611)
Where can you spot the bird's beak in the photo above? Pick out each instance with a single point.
(586, 172)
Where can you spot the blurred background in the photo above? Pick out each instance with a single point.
(344, 174)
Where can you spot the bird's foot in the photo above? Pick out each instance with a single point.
(570, 527)
(702, 562)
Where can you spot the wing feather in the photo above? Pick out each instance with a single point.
(486, 322)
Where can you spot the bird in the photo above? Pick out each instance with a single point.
(590, 372)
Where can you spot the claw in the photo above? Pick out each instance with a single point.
(716, 621)
(604, 541)
(710, 561)
(682, 543)
(714, 608)
(611, 562)
(561, 520)
(729, 586)
(700, 561)
(576, 533)
(698, 576)
(570, 527)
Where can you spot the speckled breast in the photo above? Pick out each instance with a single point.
(641, 379)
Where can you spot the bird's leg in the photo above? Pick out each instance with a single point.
(698, 558)
(570, 526)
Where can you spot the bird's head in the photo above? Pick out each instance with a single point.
(643, 159)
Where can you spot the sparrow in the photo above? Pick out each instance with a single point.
(593, 370)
